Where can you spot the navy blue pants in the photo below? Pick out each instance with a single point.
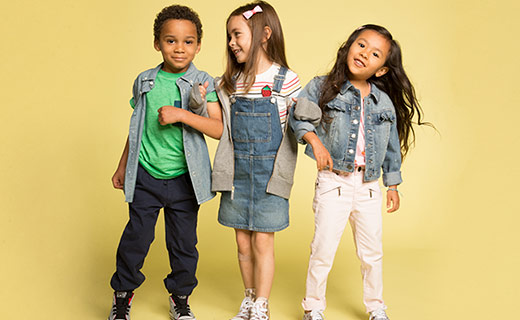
(177, 198)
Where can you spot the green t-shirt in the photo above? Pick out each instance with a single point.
(162, 149)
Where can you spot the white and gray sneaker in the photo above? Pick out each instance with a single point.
(378, 314)
(259, 310)
(314, 315)
(246, 305)
(121, 304)
(180, 309)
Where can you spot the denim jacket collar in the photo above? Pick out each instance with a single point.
(374, 90)
(148, 80)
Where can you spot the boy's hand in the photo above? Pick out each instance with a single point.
(392, 200)
(118, 179)
(170, 114)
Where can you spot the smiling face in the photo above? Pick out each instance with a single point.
(178, 44)
(367, 55)
(239, 36)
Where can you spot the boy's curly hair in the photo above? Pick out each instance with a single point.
(176, 12)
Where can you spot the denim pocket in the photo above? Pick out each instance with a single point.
(251, 127)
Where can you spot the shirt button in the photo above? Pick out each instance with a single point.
(353, 135)
(355, 121)
(351, 151)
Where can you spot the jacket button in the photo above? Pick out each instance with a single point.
(369, 131)
(351, 151)
(349, 167)
(353, 135)
(355, 121)
(356, 108)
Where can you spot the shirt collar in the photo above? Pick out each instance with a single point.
(374, 90)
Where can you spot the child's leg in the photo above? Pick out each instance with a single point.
(332, 204)
(245, 257)
(366, 222)
(180, 217)
(138, 234)
(263, 249)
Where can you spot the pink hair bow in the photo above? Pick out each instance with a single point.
(249, 13)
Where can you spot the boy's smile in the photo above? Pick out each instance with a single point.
(178, 44)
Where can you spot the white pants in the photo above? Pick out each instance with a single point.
(339, 199)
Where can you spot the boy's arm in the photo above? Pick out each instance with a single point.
(211, 125)
(118, 179)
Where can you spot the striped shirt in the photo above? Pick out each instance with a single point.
(264, 82)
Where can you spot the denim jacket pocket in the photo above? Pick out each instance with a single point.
(337, 105)
(382, 117)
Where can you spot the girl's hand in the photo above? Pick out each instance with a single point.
(203, 89)
(118, 179)
(170, 114)
(392, 200)
(322, 155)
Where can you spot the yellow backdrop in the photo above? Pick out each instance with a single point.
(451, 252)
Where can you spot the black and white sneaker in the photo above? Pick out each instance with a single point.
(180, 309)
(121, 305)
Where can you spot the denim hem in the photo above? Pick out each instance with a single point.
(244, 227)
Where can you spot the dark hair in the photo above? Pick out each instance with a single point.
(275, 45)
(394, 83)
(177, 12)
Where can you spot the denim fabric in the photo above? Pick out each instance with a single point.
(257, 135)
(382, 145)
(195, 148)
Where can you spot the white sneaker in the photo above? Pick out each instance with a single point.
(245, 309)
(259, 310)
(180, 309)
(378, 314)
(314, 315)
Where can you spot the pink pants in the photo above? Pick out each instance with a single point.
(339, 199)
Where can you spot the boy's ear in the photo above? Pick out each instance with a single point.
(381, 72)
(198, 47)
(267, 34)
(156, 45)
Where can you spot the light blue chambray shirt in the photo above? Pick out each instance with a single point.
(195, 148)
(382, 147)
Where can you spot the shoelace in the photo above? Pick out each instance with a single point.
(182, 307)
(259, 311)
(317, 315)
(378, 314)
(122, 308)
(245, 308)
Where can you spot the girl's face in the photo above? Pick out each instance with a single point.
(367, 55)
(239, 36)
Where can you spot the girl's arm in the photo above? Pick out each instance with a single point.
(211, 125)
(118, 179)
(323, 159)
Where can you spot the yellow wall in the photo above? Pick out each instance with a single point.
(66, 70)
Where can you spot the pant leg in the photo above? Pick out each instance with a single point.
(139, 233)
(367, 226)
(180, 216)
(332, 205)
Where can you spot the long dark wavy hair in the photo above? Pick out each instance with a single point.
(394, 83)
(275, 45)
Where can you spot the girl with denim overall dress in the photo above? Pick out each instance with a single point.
(367, 104)
(256, 156)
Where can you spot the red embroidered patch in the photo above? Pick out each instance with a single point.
(266, 91)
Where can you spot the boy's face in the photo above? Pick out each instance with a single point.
(178, 45)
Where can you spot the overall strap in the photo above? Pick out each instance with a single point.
(279, 79)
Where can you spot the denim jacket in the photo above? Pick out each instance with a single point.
(195, 149)
(382, 147)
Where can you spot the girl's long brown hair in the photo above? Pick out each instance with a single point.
(275, 45)
(394, 83)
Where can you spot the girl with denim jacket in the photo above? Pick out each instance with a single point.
(361, 123)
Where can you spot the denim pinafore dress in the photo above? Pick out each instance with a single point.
(257, 134)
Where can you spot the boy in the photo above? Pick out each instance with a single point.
(165, 163)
